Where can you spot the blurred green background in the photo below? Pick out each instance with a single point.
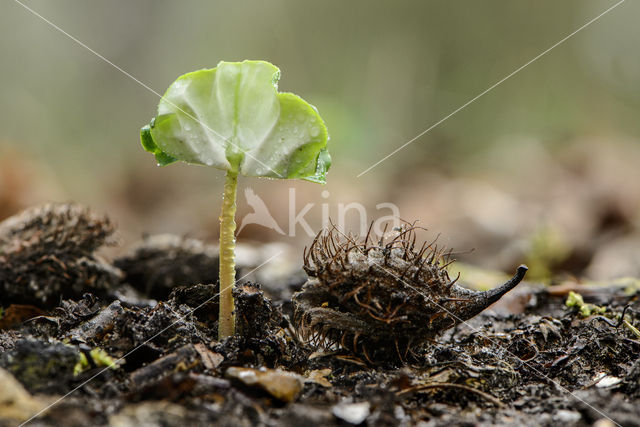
(543, 166)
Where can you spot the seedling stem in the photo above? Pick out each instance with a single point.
(226, 324)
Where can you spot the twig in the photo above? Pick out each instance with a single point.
(421, 387)
(611, 322)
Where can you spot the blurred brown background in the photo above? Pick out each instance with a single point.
(543, 169)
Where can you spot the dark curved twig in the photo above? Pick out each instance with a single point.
(421, 387)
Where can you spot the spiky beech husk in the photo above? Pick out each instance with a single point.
(47, 253)
(383, 300)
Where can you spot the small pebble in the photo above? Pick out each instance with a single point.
(566, 416)
(353, 413)
(608, 381)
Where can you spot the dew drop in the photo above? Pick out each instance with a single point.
(315, 131)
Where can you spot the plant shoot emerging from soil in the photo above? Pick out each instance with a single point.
(233, 118)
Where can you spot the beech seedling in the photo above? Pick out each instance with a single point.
(233, 118)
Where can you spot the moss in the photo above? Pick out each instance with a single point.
(575, 300)
(100, 358)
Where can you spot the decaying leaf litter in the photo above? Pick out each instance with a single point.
(151, 353)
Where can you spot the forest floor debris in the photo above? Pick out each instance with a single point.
(154, 357)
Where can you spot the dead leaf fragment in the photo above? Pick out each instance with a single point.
(210, 359)
(283, 385)
(318, 376)
(18, 313)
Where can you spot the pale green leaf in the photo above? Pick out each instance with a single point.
(233, 117)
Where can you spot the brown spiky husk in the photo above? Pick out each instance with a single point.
(380, 299)
(47, 253)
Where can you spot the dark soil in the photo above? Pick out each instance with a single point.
(529, 361)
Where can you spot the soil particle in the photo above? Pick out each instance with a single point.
(41, 366)
(95, 328)
(159, 263)
(257, 317)
(182, 359)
